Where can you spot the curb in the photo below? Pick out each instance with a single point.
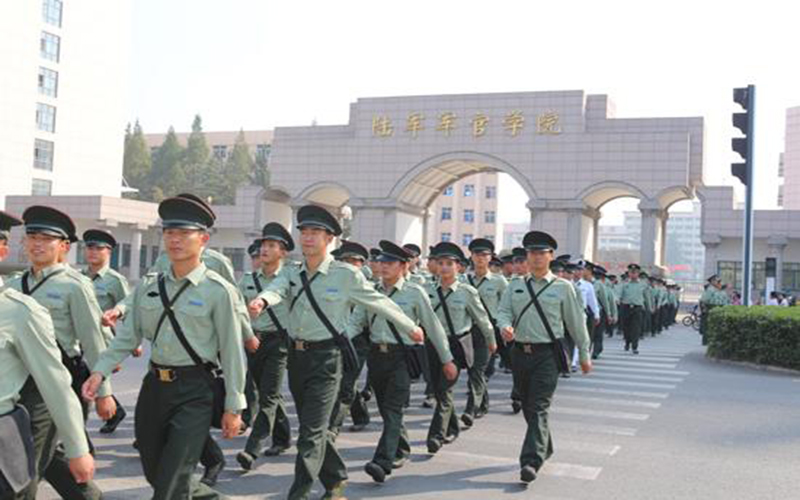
(755, 366)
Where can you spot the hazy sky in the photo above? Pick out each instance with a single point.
(257, 64)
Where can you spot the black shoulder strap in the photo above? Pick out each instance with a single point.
(483, 302)
(29, 291)
(272, 316)
(538, 305)
(168, 306)
(306, 287)
(436, 309)
(321, 315)
(531, 302)
(372, 321)
(443, 303)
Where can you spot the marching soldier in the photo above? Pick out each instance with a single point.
(415, 275)
(633, 300)
(459, 309)
(110, 288)
(319, 294)
(191, 316)
(7, 221)
(608, 309)
(268, 363)
(535, 331)
(388, 367)
(76, 315)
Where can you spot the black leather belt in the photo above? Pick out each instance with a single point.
(171, 373)
(306, 345)
(529, 348)
(385, 348)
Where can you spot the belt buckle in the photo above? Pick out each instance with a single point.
(383, 348)
(165, 375)
(527, 349)
(299, 345)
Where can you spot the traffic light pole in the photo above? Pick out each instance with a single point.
(747, 260)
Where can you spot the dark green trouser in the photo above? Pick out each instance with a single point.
(444, 422)
(632, 329)
(477, 375)
(172, 425)
(314, 378)
(389, 378)
(536, 377)
(250, 394)
(268, 366)
(350, 399)
(44, 435)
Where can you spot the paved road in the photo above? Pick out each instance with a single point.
(667, 424)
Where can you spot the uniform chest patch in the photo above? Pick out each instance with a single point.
(331, 290)
(198, 303)
(53, 295)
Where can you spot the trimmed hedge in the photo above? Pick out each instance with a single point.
(767, 335)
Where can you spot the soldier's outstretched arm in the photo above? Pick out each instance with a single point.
(362, 293)
(86, 319)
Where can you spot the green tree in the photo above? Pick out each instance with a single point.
(237, 170)
(137, 163)
(168, 177)
(196, 161)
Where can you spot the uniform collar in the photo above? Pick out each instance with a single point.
(260, 271)
(47, 271)
(102, 272)
(454, 286)
(194, 277)
(324, 266)
(547, 278)
(401, 283)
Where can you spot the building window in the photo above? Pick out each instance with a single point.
(469, 215)
(154, 252)
(220, 152)
(491, 192)
(50, 46)
(466, 239)
(791, 276)
(48, 82)
(446, 236)
(263, 151)
(41, 187)
(51, 12)
(448, 191)
(730, 273)
(126, 255)
(489, 216)
(469, 190)
(237, 257)
(45, 117)
(43, 155)
(142, 260)
(447, 213)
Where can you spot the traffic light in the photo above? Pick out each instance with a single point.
(745, 97)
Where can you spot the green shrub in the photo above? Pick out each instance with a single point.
(766, 335)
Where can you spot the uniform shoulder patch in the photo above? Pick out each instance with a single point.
(29, 302)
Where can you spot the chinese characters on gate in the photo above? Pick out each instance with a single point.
(513, 124)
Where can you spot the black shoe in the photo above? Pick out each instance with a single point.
(336, 493)
(275, 450)
(574, 369)
(595, 356)
(429, 402)
(627, 347)
(375, 471)
(636, 351)
(399, 462)
(516, 406)
(527, 474)
(468, 420)
(481, 413)
(366, 395)
(246, 460)
(112, 423)
(450, 438)
(358, 427)
(434, 445)
(211, 474)
(565, 375)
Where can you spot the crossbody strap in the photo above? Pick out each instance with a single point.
(531, 302)
(272, 316)
(538, 305)
(483, 302)
(305, 288)
(313, 301)
(372, 321)
(29, 291)
(443, 303)
(176, 327)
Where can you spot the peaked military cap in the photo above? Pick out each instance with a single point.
(713, 278)
(185, 213)
(571, 267)
(254, 250)
(539, 240)
(276, 232)
(564, 257)
(599, 270)
(495, 261)
(314, 216)
(506, 255)
(99, 238)
(479, 245)
(7, 221)
(197, 199)
(448, 250)
(519, 253)
(557, 265)
(415, 250)
(352, 250)
(634, 267)
(644, 275)
(46, 220)
(374, 253)
(612, 277)
(391, 252)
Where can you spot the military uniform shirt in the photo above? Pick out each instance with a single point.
(633, 293)
(338, 286)
(604, 297)
(70, 299)
(465, 308)
(110, 287)
(28, 348)
(490, 288)
(208, 314)
(561, 308)
(263, 323)
(414, 301)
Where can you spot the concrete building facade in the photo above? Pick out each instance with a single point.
(466, 209)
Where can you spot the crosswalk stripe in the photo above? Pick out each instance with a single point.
(641, 364)
(616, 392)
(602, 366)
(635, 376)
(581, 427)
(557, 469)
(608, 401)
(621, 415)
(587, 380)
(634, 357)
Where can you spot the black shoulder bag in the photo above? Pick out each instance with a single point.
(214, 373)
(416, 356)
(349, 354)
(561, 356)
(460, 346)
(18, 460)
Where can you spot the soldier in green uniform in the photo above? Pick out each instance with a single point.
(506, 257)
(415, 275)
(712, 297)
(110, 288)
(200, 328)
(7, 221)
(351, 400)
(319, 294)
(608, 309)
(459, 309)
(520, 260)
(268, 364)
(490, 288)
(536, 343)
(374, 265)
(633, 301)
(70, 299)
(432, 277)
(388, 372)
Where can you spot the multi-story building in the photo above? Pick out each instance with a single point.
(466, 209)
(63, 96)
(790, 161)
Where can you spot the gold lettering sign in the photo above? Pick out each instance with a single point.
(548, 123)
(415, 123)
(382, 126)
(447, 123)
(479, 124)
(514, 122)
